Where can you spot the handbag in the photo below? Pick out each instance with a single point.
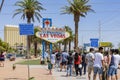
(80, 66)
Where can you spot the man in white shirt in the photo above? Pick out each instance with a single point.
(90, 61)
(116, 62)
(98, 63)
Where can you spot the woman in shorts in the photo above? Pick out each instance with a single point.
(2, 59)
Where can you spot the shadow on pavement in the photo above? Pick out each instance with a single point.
(14, 79)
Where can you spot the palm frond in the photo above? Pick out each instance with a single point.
(78, 7)
(1, 5)
(29, 9)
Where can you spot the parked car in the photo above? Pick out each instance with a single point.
(9, 55)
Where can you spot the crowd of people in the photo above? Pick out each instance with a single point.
(99, 62)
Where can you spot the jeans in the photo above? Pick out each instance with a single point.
(77, 69)
(98, 70)
(84, 66)
(69, 69)
(111, 71)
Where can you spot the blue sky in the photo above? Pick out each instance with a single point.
(106, 13)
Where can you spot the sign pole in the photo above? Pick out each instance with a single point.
(27, 29)
(51, 43)
(28, 57)
(43, 46)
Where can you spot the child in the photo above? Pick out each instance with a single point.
(50, 67)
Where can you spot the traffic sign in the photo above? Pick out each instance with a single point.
(26, 29)
(94, 42)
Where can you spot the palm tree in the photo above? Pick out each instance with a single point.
(1, 5)
(78, 8)
(68, 40)
(59, 44)
(35, 41)
(4, 46)
(29, 9)
(71, 39)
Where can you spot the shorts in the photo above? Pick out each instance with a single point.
(2, 59)
(98, 70)
(50, 66)
(90, 69)
(64, 63)
(111, 71)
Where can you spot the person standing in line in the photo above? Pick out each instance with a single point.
(73, 67)
(111, 64)
(58, 59)
(64, 56)
(116, 61)
(77, 62)
(84, 65)
(98, 63)
(90, 62)
(105, 68)
(69, 64)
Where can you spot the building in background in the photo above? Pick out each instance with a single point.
(12, 36)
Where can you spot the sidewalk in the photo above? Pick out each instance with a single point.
(40, 72)
(21, 72)
(62, 76)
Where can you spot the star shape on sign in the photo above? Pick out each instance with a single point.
(47, 22)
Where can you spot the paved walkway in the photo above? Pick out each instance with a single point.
(40, 72)
(21, 72)
(62, 76)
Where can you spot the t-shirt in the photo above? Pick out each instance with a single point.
(69, 60)
(58, 56)
(83, 58)
(64, 56)
(53, 58)
(98, 59)
(78, 61)
(90, 57)
(116, 60)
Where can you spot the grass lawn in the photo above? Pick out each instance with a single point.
(30, 62)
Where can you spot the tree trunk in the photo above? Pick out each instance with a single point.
(59, 45)
(70, 45)
(28, 40)
(35, 49)
(76, 20)
(65, 46)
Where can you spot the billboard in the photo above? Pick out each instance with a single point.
(105, 44)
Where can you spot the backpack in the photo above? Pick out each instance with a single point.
(70, 59)
(58, 56)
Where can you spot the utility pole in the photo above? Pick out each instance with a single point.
(82, 45)
(99, 31)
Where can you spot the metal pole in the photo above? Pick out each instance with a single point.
(99, 31)
(50, 50)
(82, 45)
(28, 57)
